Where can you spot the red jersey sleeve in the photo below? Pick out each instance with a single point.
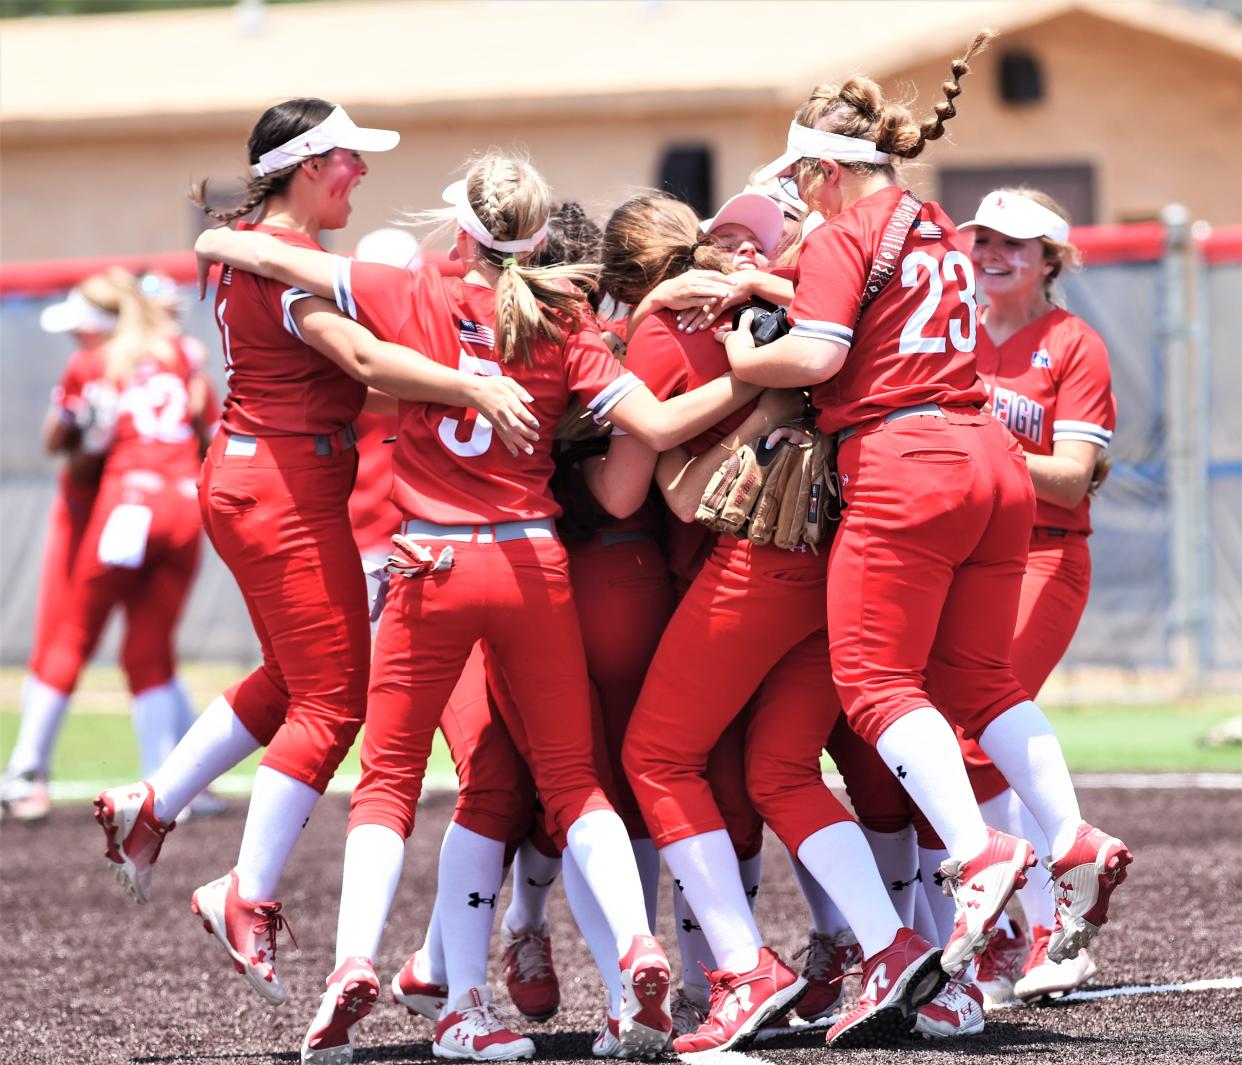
(592, 372)
(655, 355)
(832, 270)
(1085, 409)
(377, 296)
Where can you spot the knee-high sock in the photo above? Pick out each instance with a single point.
(534, 873)
(157, 725)
(826, 918)
(279, 809)
(922, 750)
(647, 858)
(924, 919)
(595, 931)
(216, 742)
(430, 965)
(471, 868)
(839, 858)
(940, 904)
(696, 953)
(601, 849)
(43, 711)
(185, 706)
(897, 858)
(706, 867)
(1008, 813)
(1025, 749)
(751, 872)
(374, 855)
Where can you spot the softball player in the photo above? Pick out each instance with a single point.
(273, 494)
(1048, 380)
(494, 570)
(23, 791)
(926, 569)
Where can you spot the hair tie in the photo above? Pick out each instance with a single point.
(508, 261)
(700, 244)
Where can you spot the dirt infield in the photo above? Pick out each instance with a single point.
(95, 979)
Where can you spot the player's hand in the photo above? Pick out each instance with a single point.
(207, 250)
(739, 339)
(503, 402)
(699, 317)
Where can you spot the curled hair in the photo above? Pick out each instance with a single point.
(143, 327)
(533, 302)
(857, 108)
(276, 125)
(573, 239)
(1061, 256)
(651, 238)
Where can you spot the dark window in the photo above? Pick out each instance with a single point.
(686, 172)
(1073, 187)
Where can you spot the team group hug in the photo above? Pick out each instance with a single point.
(463, 495)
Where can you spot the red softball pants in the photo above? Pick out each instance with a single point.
(275, 509)
(152, 592)
(753, 617)
(515, 596)
(66, 525)
(926, 570)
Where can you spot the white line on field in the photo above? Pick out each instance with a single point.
(1226, 983)
(724, 1057)
(239, 784)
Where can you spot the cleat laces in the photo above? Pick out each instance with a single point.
(821, 953)
(271, 921)
(531, 960)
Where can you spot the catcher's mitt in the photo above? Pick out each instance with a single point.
(782, 495)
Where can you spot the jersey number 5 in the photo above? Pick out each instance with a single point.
(480, 438)
(956, 268)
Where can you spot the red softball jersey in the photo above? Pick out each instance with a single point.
(920, 330)
(153, 429)
(1050, 381)
(278, 385)
(83, 373)
(447, 467)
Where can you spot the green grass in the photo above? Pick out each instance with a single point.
(97, 742)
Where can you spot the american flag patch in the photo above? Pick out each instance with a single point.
(1041, 360)
(929, 231)
(474, 333)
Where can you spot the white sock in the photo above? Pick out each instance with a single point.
(922, 750)
(431, 956)
(647, 858)
(157, 724)
(826, 919)
(216, 742)
(897, 858)
(534, 873)
(696, 952)
(751, 872)
(43, 710)
(706, 866)
(374, 855)
(471, 870)
(595, 931)
(185, 707)
(1025, 749)
(279, 809)
(839, 858)
(1008, 813)
(924, 919)
(941, 905)
(601, 847)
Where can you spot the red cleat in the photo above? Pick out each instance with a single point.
(829, 960)
(352, 990)
(1083, 880)
(529, 974)
(981, 887)
(418, 996)
(896, 982)
(645, 1019)
(135, 835)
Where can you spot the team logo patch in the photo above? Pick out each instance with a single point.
(930, 231)
(475, 333)
(1041, 360)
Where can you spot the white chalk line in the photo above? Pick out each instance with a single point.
(239, 784)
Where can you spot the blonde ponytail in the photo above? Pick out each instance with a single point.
(143, 328)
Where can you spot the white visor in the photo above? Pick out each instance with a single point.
(76, 314)
(806, 143)
(757, 212)
(1019, 217)
(456, 195)
(390, 247)
(335, 131)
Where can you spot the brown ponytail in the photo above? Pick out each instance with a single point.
(276, 125)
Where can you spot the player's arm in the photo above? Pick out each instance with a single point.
(379, 402)
(262, 254)
(621, 477)
(662, 425)
(695, 289)
(1064, 476)
(682, 480)
(409, 375)
(792, 361)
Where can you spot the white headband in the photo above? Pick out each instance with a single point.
(335, 131)
(806, 143)
(456, 195)
(1019, 217)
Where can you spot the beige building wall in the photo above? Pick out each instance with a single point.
(1158, 118)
